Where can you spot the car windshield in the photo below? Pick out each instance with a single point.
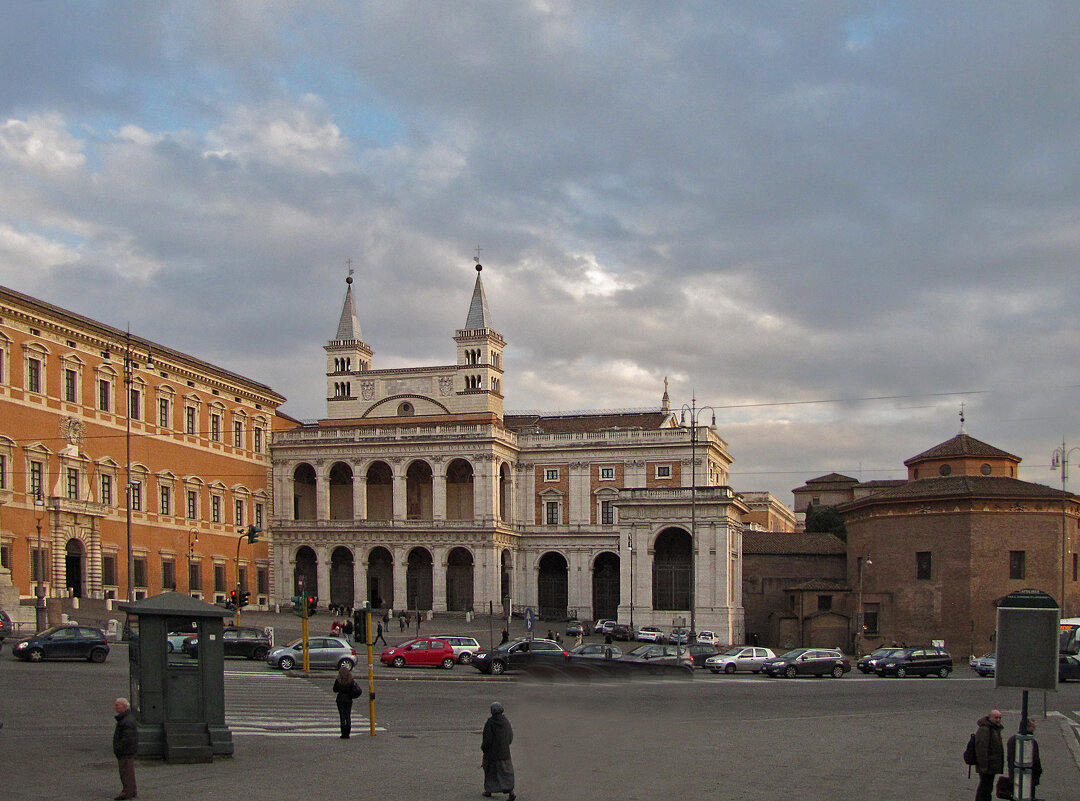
(732, 652)
(793, 654)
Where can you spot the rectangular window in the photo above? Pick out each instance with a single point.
(73, 484)
(607, 512)
(33, 375)
(258, 440)
(551, 475)
(923, 565)
(108, 569)
(663, 471)
(134, 404)
(104, 394)
(139, 563)
(824, 603)
(106, 490)
(870, 619)
(262, 580)
(241, 577)
(552, 513)
(5, 555)
(3, 471)
(259, 515)
(194, 576)
(37, 478)
(39, 564)
(219, 578)
(607, 473)
(165, 500)
(238, 512)
(1076, 566)
(237, 434)
(192, 504)
(135, 492)
(189, 420)
(215, 509)
(215, 427)
(168, 574)
(71, 386)
(163, 412)
(1017, 564)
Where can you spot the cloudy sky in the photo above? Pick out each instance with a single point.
(835, 222)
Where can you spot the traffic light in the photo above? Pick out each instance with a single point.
(242, 600)
(232, 599)
(253, 533)
(311, 602)
(298, 605)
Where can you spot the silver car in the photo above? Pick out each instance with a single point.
(323, 652)
(465, 648)
(739, 658)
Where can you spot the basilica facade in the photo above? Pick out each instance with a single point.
(417, 491)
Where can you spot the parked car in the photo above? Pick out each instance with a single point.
(985, 665)
(808, 662)
(869, 663)
(598, 626)
(518, 655)
(245, 641)
(700, 651)
(621, 631)
(679, 636)
(658, 654)
(923, 661)
(465, 648)
(176, 640)
(421, 652)
(596, 650)
(1068, 667)
(707, 637)
(741, 657)
(323, 652)
(574, 629)
(7, 628)
(650, 634)
(64, 642)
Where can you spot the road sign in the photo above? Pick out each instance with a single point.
(530, 618)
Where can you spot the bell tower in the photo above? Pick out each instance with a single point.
(347, 355)
(479, 350)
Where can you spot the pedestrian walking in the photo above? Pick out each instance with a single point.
(347, 628)
(577, 641)
(498, 767)
(347, 689)
(1036, 763)
(379, 635)
(505, 637)
(125, 745)
(401, 621)
(989, 754)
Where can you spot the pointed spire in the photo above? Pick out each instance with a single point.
(962, 419)
(665, 403)
(479, 316)
(348, 326)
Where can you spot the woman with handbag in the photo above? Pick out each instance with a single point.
(347, 689)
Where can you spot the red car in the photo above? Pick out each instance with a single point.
(420, 652)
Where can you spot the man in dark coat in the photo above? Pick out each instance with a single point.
(989, 754)
(1036, 762)
(125, 744)
(498, 769)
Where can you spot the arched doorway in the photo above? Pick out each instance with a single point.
(418, 580)
(418, 493)
(459, 490)
(671, 570)
(304, 507)
(380, 578)
(552, 587)
(341, 577)
(459, 581)
(606, 587)
(504, 492)
(74, 560)
(341, 492)
(380, 492)
(305, 574)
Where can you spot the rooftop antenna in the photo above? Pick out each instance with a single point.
(962, 431)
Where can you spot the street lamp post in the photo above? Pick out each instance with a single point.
(1060, 459)
(192, 538)
(862, 562)
(630, 550)
(39, 590)
(695, 412)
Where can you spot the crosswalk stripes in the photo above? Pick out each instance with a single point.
(279, 705)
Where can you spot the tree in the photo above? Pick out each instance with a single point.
(825, 520)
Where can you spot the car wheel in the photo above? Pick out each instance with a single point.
(497, 667)
(286, 663)
(790, 672)
(36, 655)
(901, 672)
(98, 655)
(465, 658)
(345, 663)
(837, 672)
(448, 663)
(399, 661)
(729, 669)
(259, 653)
(943, 673)
(171, 648)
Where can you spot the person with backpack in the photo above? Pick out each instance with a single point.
(989, 754)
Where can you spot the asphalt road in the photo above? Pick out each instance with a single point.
(742, 737)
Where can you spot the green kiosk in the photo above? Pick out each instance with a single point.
(178, 699)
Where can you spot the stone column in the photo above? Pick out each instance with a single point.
(401, 564)
(400, 505)
(322, 573)
(322, 497)
(438, 579)
(359, 496)
(360, 584)
(438, 492)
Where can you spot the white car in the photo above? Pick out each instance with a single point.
(708, 638)
(740, 657)
(679, 637)
(465, 648)
(598, 627)
(649, 634)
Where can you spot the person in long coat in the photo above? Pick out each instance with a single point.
(498, 767)
(989, 754)
(126, 746)
(347, 689)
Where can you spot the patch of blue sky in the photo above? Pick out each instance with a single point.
(360, 116)
(49, 233)
(862, 30)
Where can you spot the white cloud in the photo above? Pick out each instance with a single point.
(23, 251)
(301, 137)
(41, 143)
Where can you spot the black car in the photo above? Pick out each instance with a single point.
(1068, 667)
(869, 662)
(248, 642)
(621, 631)
(808, 662)
(519, 655)
(922, 661)
(700, 651)
(64, 642)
